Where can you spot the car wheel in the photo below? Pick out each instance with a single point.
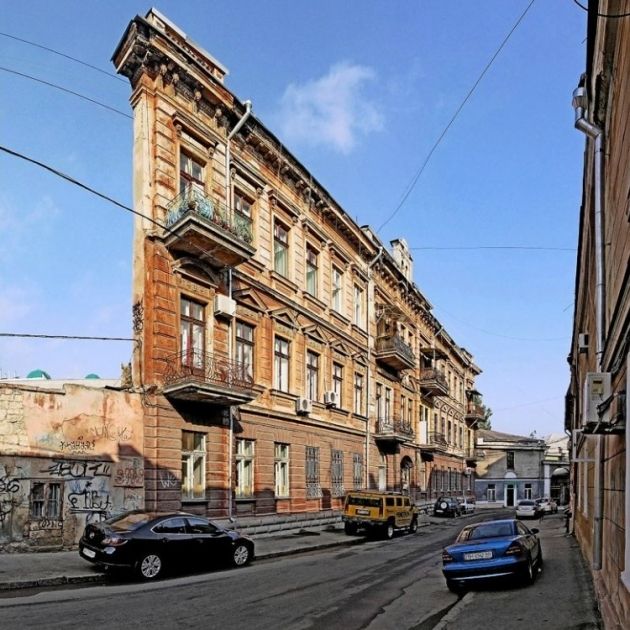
(388, 531)
(240, 555)
(455, 587)
(350, 528)
(150, 566)
(413, 528)
(529, 574)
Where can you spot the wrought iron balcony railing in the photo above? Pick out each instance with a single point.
(208, 369)
(476, 410)
(394, 343)
(439, 439)
(433, 378)
(394, 426)
(193, 200)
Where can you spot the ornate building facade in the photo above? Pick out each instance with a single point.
(284, 355)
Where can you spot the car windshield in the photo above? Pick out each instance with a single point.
(526, 503)
(486, 530)
(364, 501)
(129, 522)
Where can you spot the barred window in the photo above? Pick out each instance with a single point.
(357, 471)
(313, 487)
(336, 473)
(46, 500)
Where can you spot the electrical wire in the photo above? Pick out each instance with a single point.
(34, 336)
(604, 15)
(56, 52)
(63, 89)
(515, 247)
(415, 178)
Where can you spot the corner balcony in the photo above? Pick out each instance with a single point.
(200, 226)
(203, 377)
(433, 382)
(475, 412)
(392, 351)
(393, 430)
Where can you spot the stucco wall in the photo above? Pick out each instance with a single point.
(67, 457)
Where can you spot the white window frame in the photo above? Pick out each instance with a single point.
(245, 477)
(189, 458)
(281, 364)
(358, 306)
(312, 271)
(282, 454)
(337, 289)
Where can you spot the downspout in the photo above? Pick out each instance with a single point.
(228, 203)
(595, 133)
(367, 382)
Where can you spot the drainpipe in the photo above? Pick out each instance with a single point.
(228, 203)
(367, 382)
(595, 133)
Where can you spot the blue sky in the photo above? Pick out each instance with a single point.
(359, 91)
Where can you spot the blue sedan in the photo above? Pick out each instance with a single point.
(492, 549)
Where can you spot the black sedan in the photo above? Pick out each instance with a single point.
(147, 542)
(492, 549)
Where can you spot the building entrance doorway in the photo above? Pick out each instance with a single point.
(509, 495)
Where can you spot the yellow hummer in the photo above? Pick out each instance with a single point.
(383, 512)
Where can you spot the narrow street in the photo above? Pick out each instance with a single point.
(377, 585)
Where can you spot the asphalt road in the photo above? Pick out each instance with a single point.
(377, 585)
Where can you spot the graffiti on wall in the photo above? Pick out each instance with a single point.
(129, 472)
(11, 496)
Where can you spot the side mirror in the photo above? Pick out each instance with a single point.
(534, 530)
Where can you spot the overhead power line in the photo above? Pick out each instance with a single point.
(604, 15)
(515, 247)
(63, 89)
(56, 52)
(415, 178)
(34, 336)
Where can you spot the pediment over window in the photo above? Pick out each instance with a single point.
(340, 347)
(191, 266)
(250, 298)
(286, 316)
(315, 333)
(360, 359)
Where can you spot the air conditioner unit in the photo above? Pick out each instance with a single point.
(583, 343)
(303, 406)
(596, 391)
(224, 306)
(331, 399)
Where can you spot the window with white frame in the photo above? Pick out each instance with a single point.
(312, 375)
(242, 204)
(388, 404)
(311, 271)
(193, 465)
(191, 173)
(244, 347)
(336, 473)
(358, 306)
(358, 393)
(337, 289)
(46, 500)
(337, 383)
(281, 249)
(357, 471)
(281, 364)
(313, 487)
(491, 493)
(192, 334)
(281, 469)
(244, 468)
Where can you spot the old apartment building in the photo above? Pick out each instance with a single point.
(284, 355)
(597, 410)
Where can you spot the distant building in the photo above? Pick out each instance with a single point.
(555, 468)
(509, 468)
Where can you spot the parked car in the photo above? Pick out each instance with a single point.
(383, 512)
(528, 508)
(492, 549)
(150, 542)
(549, 506)
(446, 506)
(466, 505)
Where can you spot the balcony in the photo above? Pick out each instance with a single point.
(201, 226)
(204, 377)
(392, 351)
(433, 382)
(474, 413)
(393, 430)
(437, 441)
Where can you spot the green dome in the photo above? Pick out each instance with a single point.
(38, 374)
(92, 375)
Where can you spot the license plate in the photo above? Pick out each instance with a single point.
(478, 555)
(363, 512)
(89, 553)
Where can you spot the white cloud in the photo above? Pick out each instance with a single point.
(333, 110)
